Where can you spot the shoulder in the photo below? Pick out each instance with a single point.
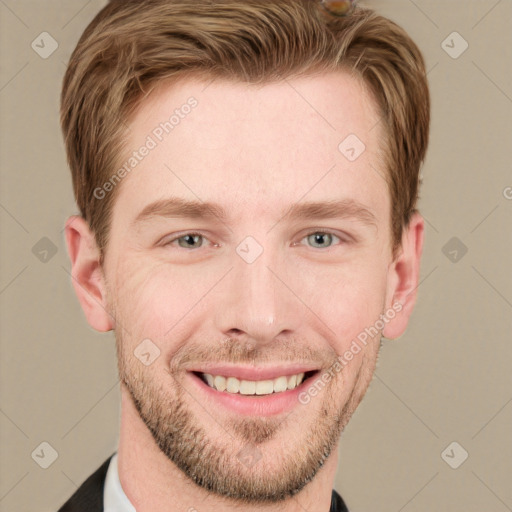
(337, 503)
(89, 496)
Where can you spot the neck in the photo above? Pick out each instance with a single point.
(153, 483)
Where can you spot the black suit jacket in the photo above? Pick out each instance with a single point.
(89, 496)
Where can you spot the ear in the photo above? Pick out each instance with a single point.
(87, 273)
(403, 278)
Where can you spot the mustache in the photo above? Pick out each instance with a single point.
(248, 352)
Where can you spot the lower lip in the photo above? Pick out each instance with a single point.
(255, 405)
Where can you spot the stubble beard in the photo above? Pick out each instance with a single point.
(217, 466)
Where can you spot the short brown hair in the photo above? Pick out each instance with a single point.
(131, 46)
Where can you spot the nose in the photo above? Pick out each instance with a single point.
(255, 302)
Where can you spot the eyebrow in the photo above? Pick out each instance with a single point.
(176, 207)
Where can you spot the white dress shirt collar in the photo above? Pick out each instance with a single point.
(114, 498)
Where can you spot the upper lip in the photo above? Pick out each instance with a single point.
(254, 372)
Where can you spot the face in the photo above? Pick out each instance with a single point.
(288, 262)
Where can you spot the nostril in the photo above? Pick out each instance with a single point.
(234, 332)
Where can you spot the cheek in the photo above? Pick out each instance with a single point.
(156, 300)
(348, 299)
(144, 306)
(153, 297)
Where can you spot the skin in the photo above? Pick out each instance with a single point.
(256, 151)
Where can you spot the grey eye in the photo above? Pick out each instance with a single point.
(190, 241)
(321, 240)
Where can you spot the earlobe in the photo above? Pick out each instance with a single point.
(403, 278)
(87, 274)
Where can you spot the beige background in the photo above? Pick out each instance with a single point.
(447, 379)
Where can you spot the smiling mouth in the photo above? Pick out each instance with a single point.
(257, 388)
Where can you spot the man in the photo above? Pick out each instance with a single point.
(247, 174)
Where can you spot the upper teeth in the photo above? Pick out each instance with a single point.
(250, 387)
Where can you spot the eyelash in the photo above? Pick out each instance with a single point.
(313, 232)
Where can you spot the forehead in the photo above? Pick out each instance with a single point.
(262, 146)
